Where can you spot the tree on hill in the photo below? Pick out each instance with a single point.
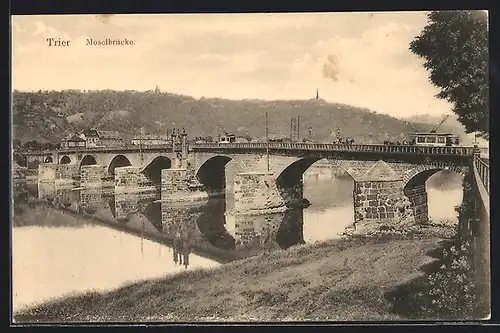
(454, 45)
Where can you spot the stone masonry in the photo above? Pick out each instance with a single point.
(257, 193)
(418, 199)
(130, 179)
(178, 185)
(67, 174)
(380, 201)
(91, 175)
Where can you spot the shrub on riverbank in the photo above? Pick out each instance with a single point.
(447, 291)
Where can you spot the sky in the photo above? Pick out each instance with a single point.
(360, 59)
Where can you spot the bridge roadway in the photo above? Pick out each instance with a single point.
(273, 146)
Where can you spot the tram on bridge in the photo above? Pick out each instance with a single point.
(435, 139)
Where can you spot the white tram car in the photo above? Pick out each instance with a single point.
(434, 139)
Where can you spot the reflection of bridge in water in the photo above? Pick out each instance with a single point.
(201, 228)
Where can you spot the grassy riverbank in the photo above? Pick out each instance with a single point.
(356, 278)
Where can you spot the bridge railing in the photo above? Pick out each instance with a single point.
(339, 147)
(329, 147)
(483, 170)
(111, 148)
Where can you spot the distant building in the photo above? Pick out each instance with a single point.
(72, 141)
(98, 138)
(151, 139)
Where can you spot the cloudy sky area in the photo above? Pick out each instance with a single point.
(361, 59)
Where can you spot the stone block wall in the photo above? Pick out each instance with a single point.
(256, 232)
(125, 208)
(91, 199)
(130, 179)
(91, 175)
(418, 198)
(381, 202)
(67, 174)
(174, 181)
(257, 193)
(180, 185)
(180, 222)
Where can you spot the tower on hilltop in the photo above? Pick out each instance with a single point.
(317, 94)
(157, 90)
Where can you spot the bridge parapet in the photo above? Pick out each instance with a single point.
(463, 151)
(292, 146)
(483, 170)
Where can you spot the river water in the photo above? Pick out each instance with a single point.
(78, 240)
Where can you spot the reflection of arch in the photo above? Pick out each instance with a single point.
(88, 160)
(212, 172)
(65, 160)
(116, 162)
(153, 169)
(211, 225)
(112, 206)
(48, 159)
(291, 229)
(153, 213)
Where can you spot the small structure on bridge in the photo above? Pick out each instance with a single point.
(227, 138)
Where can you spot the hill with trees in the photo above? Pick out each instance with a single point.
(48, 116)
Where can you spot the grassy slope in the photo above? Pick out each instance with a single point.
(333, 280)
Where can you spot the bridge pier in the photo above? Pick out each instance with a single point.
(180, 185)
(59, 174)
(380, 202)
(130, 179)
(258, 193)
(419, 204)
(91, 175)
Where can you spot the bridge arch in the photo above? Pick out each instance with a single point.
(291, 175)
(212, 172)
(48, 159)
(88, 160)
(416, 190)
(65, 160)
(427, 170)
(153, 169)
(116, 162)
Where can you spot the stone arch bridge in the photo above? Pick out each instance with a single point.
(389, 180)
